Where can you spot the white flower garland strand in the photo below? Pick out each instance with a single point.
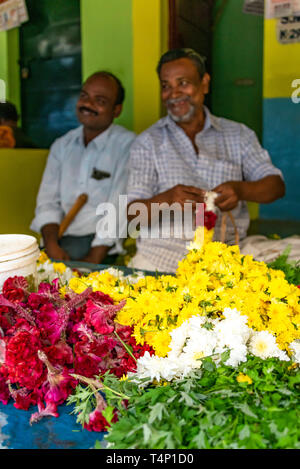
(200, 337)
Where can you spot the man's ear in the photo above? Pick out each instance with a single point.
(117, 110)
(205, 83)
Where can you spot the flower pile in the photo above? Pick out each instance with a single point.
(209, 280)
(200, 337)
(48, 341)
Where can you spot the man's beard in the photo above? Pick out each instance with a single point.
(185, 117)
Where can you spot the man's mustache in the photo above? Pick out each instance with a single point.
(171, 101)
(83, 108)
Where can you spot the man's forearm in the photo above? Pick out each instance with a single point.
(50, 233)
(263, 191)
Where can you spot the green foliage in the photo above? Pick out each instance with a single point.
(211, 409)
(290, 268)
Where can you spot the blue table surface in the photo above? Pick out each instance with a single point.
(50, 433)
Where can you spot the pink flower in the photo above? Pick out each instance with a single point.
(47, 319)
(101, 317)
(59, 384)
(49, 411)
(47, 293)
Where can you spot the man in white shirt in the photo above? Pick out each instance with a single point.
(90, 159)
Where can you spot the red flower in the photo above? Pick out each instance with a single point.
(97, 422)
(48, 322)
(210, 219)
(21, 359)
(15, 289)
(4, 391)
(24, 398)
(59, 354)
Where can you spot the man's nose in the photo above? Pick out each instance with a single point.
(175, 92)
(89, 101)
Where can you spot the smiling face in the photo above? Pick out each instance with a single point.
(96, 107)
(182, 89)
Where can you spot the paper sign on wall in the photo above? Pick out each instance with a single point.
(288, 30)
(12, 14)
(254, 7)
(296, 7)
(278, 8)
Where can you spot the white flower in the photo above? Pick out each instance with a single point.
(209, 199)
(237, 355)
(295, 349)
(201, 343)
(156, 368)
(263, 345)
(48, 271)
(233, 330)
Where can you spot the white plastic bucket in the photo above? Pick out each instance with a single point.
(18, 256)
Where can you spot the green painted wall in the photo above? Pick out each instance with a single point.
(237, 64)
(9, 67)
(3, 56)
(107, 43)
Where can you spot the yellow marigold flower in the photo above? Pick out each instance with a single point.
(63, 291)
(160, 341)
(59, 267)
(77, 284)
(124, 378)
(43, 257)
(241, 378)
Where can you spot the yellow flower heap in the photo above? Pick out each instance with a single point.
(207, 281)
(210, 278)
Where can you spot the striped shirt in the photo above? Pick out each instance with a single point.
(164, 156)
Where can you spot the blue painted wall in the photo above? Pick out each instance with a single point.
(281, 137)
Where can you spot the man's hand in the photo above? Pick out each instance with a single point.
(52, 248)
(96, 254)
(182, 194)
(262, 191)
(229, 195)
(54, 251)
(178, 194)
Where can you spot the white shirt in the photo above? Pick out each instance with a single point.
(68, 174)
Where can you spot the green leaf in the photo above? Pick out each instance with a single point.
(146, 432)
(244, 433)
(156, 412)
(108, 414)
(244, 407)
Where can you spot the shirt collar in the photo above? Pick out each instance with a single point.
(210, 121)
(99, 141)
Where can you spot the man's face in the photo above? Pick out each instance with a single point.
(182, 89)
(96, 108)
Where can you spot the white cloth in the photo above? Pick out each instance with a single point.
(267, 250)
